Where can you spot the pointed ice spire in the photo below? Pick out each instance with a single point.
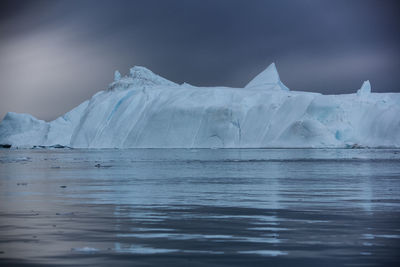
(269, 79)
(365, 89)
(117, 76)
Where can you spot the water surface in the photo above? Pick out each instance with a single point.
(200, 207)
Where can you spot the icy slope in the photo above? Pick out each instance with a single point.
(143, 109)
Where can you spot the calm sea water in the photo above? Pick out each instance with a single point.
(187, 207)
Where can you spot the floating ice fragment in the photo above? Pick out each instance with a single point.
(85, 249)
(272, 253)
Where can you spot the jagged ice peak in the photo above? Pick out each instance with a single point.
(138, 77)
(267, 79)
(365, 89)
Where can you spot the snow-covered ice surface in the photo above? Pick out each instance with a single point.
(200, 207)
(144, 110)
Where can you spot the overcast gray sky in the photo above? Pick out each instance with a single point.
(56, 54)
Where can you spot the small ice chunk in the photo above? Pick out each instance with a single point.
(271, 253)
(85, 249)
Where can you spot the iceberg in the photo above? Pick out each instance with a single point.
(145, 110)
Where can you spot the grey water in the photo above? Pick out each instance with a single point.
(200, 207)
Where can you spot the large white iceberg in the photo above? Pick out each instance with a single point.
(144, 110)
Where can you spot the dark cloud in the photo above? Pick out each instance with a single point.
(55, 54)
